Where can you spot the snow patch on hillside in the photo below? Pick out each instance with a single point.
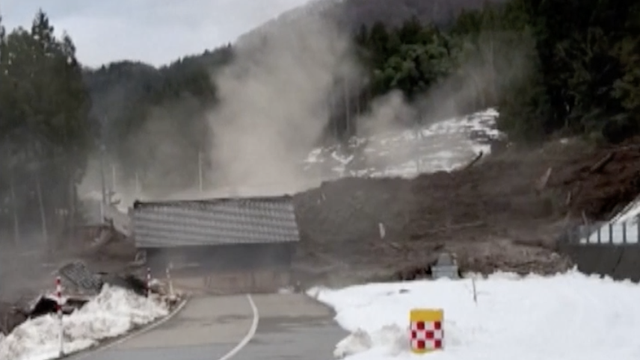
(440, 146)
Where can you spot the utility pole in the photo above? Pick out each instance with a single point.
(103, 199)
(43, 216)
(113, 178)
(332, 105)
(358, 111)
(14, 201)
(200, 180)
(103, 188)
(138, 187)
(14, 206)
(347, 107)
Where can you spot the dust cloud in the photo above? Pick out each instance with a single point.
(488, 68)
(163, 156)
(168, 142)
(388, 113)
(21, 269)
(485, 72)
(274, 104)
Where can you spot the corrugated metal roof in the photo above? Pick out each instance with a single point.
(256, 220)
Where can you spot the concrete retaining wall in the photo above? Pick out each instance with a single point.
(240, 282)
(620, 261)
(222, 258)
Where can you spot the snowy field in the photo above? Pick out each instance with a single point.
(564, 317)
(115, 311)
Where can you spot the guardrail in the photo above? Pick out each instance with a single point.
(605, 233)
(606, 249)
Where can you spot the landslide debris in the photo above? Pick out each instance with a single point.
(505, 212)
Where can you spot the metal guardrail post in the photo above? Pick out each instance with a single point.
(610, 233)
(570, 235)
(581, 234)
(59, 303)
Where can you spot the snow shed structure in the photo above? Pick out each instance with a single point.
(226, 245)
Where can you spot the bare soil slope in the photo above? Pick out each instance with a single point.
(504, 213)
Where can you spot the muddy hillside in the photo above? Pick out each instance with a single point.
(503, 212)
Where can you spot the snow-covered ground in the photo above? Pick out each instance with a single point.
(440, 146)
(115, 311)
(565, 317)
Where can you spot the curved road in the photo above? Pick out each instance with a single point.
(275, 326)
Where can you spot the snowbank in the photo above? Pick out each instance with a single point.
(115, 311)
(570, 316)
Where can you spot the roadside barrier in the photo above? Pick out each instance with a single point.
(427, 333)
(169, 282)
(148, 284)
(628, 266)
(605, 248)
(59, 302)
(619, 261)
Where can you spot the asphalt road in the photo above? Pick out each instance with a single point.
(278, 326)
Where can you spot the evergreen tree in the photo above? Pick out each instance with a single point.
(44, 117)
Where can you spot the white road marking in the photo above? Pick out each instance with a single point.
(154, 325)
(250, 334)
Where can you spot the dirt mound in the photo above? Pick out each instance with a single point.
(102, 247)
(10, 317)
(503, 213)
(601, 184)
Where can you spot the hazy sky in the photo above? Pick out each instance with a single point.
(153, 31)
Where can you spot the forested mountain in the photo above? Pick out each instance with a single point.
(353, 14)
(552, 67)
(123, 93)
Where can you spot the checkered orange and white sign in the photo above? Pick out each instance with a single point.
(427, 334)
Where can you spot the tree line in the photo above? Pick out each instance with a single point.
(552, 67)
(44, 131)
